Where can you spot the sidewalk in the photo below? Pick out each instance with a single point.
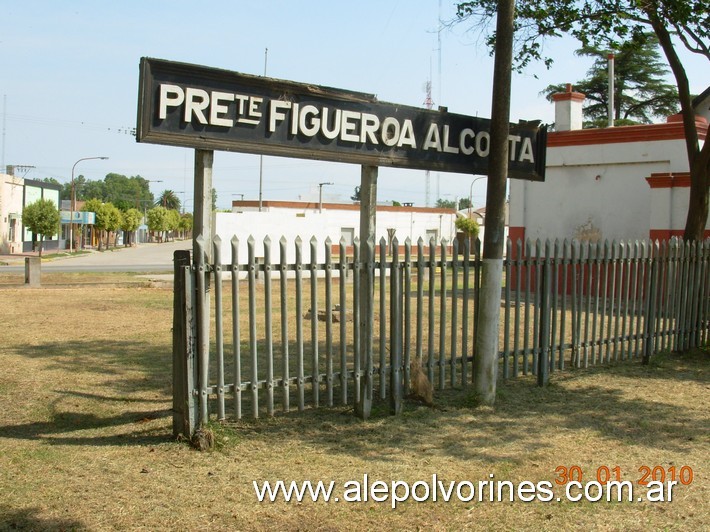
(18, 259)
(148, 255)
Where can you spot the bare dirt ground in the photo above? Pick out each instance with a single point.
(85, 435)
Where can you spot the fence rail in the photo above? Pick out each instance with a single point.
(292, 333)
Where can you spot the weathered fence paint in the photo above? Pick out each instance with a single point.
(579, 304)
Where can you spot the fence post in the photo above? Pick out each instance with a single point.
(395, 333)
(185, 406)
(219, 332)
(649, 324)
(202, 323)
(543, 363)
(368, 204)
(696, 295)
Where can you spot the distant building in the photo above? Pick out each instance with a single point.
(11, 198)
(291, 219)
(15, 194)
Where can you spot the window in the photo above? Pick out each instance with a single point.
(348, 233)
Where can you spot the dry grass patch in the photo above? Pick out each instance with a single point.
(85, 435)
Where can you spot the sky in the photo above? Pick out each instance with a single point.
(69, 84)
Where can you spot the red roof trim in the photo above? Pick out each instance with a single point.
(615, 135)
(668, 180)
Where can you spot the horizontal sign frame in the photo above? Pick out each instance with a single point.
(194, 106)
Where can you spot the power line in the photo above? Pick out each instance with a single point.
(42, 121)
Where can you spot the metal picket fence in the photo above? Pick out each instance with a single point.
(292, 333)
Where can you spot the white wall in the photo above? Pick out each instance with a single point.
(10, 204)
(599, 191)
(291, 223)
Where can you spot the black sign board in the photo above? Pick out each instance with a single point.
(207, 108)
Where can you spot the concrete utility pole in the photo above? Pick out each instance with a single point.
(202, 224)
(485, 362)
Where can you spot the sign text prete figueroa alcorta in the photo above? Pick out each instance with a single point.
(207, 108)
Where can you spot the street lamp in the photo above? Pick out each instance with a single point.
(73, 202)
(320, 195)
(470, 194)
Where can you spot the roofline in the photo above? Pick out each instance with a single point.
(672, 130)
(314, 205)
(41, 184)
(700, 97)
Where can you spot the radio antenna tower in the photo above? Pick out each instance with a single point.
(438, 39)
(428, 103)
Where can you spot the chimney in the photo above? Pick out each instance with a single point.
(568, 109)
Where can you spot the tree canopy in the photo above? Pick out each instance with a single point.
(169, 200)
(640, 90)
(108, 218)
(130, 222)
(464, 203)
(468, 226)
(123, 192)
(42, 218)
(157, 219)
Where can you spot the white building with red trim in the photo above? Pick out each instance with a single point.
(622, 183)
(292, 219)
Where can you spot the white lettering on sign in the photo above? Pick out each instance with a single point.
(331, 134)
(526, 152)
(432, 139)
(170, 96)
(218, 110)
(407, 136)
(228, 110)
(277, 113)
(349, 126)
(464, 141)
(196, 101)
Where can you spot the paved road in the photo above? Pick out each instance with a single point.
(143, 259)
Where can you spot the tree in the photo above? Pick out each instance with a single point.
(131, 223)
(609, 23)
(114, 220)
(89, 189)
(157, 220)
(214, 199)
(356, 195)
(123, 192)
(169, 200)
(42, 218)
(451, 204)
(467, 226)
(173, 222)
(640, 92)
(108, 219)
(445, 204)
(186, 222)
